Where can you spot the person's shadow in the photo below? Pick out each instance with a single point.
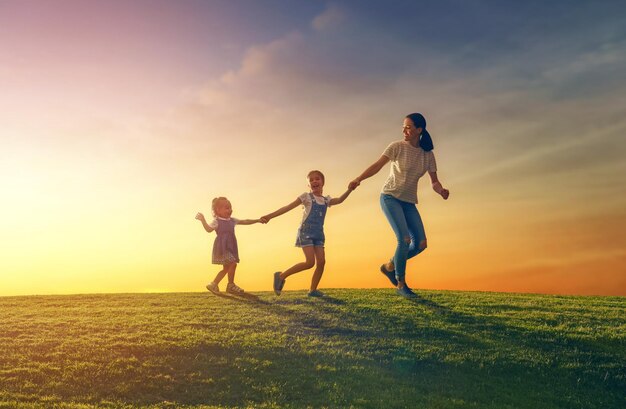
(245, 297)
(437, 308)
(332, 300)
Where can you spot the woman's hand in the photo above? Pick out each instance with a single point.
(373, 169)
(354, 184)
(200, 216)
(439, 189)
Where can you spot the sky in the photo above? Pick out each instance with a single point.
(119, 121)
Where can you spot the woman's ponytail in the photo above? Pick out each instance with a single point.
(426, 142)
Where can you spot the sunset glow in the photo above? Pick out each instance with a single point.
(121, 120)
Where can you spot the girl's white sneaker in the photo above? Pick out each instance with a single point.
(213, 288)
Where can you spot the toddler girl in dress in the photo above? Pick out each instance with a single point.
(225, 251)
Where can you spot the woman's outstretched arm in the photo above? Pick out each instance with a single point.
(373, 169)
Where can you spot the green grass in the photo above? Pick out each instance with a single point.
(355, 348)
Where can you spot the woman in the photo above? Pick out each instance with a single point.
(410, 159)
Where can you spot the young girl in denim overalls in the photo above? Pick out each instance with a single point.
(311, 232)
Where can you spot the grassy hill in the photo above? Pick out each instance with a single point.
(354, 348)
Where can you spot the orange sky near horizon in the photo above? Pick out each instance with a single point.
(112, 141)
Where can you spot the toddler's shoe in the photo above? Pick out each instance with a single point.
(233, 288)
(391, 275)
(406, 292)
(315, 293)
(213, 287)
(278, 283)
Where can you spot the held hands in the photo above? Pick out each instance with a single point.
(264, 219)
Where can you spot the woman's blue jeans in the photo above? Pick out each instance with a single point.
(407, 225)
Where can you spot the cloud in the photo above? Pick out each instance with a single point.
(600, 59)
(263, 60)
(330, 18)
(552, 144)
(491, 123)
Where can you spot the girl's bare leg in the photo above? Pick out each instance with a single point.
(231, 272)
(220, 275)
(320, 258)
(309, 253)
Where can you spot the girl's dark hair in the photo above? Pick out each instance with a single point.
(426, 142)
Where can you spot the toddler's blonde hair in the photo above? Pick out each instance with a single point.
(216, 202)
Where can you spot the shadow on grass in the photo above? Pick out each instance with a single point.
(332, 300)
(426, 303)
(245, 297)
